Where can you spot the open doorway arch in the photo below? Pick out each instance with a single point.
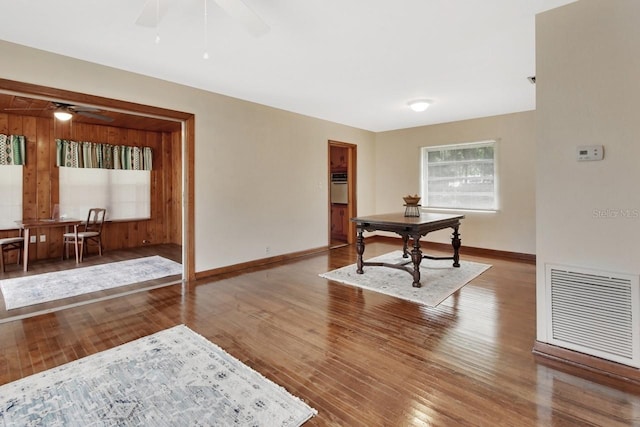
(187, 140)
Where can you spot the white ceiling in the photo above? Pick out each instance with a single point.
(356, 62)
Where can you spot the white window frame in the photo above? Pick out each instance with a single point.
(11, 200)
(459, 204)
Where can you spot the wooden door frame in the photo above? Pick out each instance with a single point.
(188, 147)
(352, 162)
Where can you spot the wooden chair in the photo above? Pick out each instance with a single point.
(90, 231)
(8, 244)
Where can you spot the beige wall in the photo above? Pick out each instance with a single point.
(260, 173)
(587, 94)
(512, 227)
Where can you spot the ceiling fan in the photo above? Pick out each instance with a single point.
(63, 111)
(81, 110)
(154, 11)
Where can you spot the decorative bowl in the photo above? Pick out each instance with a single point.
(411, 200)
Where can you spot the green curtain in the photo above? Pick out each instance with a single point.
(75, 154)
(12, 150)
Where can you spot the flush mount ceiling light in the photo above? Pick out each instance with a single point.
(62, 114)
(419, 105)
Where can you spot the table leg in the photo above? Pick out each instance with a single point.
(455, 242)
(405, 245)
(360, 250)
(25, 252)
(416, 257)
(75, 230)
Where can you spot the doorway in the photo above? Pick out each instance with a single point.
(342, 193)
(123, 111)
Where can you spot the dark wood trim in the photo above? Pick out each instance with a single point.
(352, 171)
(329, 214)
(494, 253)
(190, 202)
(83, 98)
(352, 209)
(559, 356)
(259, 262)
(467, 250)
(188, 140)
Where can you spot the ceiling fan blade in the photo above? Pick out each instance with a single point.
(238, 10)
(94, 116)
(152, 13)
(79, 108)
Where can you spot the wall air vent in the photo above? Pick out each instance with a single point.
(594, 312)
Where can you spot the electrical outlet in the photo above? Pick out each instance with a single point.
(43, 238)
(267, 250)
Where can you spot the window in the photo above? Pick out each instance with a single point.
(126, 194)
(11, 200)
(460, 176)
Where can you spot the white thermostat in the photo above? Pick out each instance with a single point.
(590, 152)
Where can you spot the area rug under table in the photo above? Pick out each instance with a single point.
(172, 378)
(439, 278)
(29, 290)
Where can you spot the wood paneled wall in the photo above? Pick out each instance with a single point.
(41, 178)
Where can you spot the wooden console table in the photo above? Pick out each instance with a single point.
(408, 228)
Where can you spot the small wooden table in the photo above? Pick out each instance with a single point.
(408, 228)
(28, 224)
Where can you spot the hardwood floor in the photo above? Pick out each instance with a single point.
(358, 357)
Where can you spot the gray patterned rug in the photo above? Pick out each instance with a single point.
(439, 279)
(29, 290)
(172, 378)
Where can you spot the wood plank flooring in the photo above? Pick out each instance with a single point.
(358, 357)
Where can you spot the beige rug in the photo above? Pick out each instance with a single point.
(439, 278)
